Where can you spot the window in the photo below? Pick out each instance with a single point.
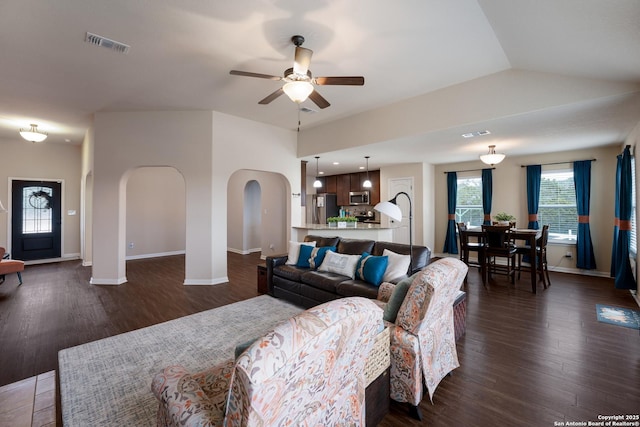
(558, 205)
(469, 201)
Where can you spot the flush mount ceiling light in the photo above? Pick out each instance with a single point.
(33, 134)
(317, 183)
(492, 158)
(367, 182)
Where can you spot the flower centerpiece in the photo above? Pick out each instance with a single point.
(342, 221)
(504, 218)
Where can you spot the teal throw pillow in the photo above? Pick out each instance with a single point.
(371, 268)
(311, 257)
(397, 297)
(317, 255)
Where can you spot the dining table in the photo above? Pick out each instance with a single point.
(529, 236)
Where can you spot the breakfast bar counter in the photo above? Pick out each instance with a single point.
(368, 231)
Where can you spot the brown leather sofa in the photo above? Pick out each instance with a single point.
(307, 288)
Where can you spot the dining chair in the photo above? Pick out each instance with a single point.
(541, 256)
(467, 246)
(499, 245)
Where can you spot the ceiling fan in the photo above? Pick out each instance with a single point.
(299, 82)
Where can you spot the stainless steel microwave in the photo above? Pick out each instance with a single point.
(358, 198)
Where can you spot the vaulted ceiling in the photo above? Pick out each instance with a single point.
(580, 61)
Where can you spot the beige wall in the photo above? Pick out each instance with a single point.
(256, 215)
(47, 161)
(509, 195)
(207, 148)
(156, 213)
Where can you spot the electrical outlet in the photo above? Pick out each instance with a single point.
(569, 254)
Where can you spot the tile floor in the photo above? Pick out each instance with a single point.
(30, 402)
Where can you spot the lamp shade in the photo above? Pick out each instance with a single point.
(33, 134)
(390, 209)
(366, 184)
(298, 91)
(492, 158)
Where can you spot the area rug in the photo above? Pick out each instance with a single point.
(618, 316)
(107, 382)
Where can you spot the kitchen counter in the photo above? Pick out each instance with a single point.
(361, 231)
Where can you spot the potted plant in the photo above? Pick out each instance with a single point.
(504, 218)
(342, 221)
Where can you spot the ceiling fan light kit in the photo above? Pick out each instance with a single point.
(299, 82)
(298, 91)
(33, 134)
(492, 158)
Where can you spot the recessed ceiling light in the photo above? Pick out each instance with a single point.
(336, 163)
(361, 168)
(67, 140)
(320, 173)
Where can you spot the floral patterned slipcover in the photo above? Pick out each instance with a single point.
(423, 338)
(308, 371)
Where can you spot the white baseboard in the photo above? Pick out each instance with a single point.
(120, 281)
(205, 282)
(570, 270)
(244, 251)
(156, 255)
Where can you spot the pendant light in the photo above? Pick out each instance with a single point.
(367, 182)
(492, 158)
(317, 183)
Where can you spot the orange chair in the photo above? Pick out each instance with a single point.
(8, 266)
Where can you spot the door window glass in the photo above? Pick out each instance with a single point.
(36, 211)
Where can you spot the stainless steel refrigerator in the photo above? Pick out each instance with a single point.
(323, 206)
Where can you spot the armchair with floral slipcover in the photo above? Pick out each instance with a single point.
(309, 370)
(423, 346)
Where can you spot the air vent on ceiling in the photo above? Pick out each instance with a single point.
(97, 40)
(476, 133)
(307, 110)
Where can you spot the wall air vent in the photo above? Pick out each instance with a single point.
(97, 40)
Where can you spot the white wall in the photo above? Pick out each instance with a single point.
(20, 159)
(510, 195)
(207, 148)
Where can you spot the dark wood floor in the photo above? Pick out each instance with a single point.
(525, 359)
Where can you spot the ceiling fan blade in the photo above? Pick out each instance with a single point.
(271, 97)
(302, 60)
(260, 76)
(350, 81)
(318, 99)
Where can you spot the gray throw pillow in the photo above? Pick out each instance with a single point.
(396, 299)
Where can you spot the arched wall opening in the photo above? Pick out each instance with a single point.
(258, 212)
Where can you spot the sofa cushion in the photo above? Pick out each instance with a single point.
(420, 254)
(371, 268)
(340, 263)
(322, 241)
(355, 246)
(290, 272)
(323, 280)
(398, 265)
(294, 251)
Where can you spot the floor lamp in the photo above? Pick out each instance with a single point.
(392, 210)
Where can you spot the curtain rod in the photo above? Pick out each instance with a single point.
(469, 170)
(559, 163)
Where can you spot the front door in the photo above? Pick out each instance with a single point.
(35, 220)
